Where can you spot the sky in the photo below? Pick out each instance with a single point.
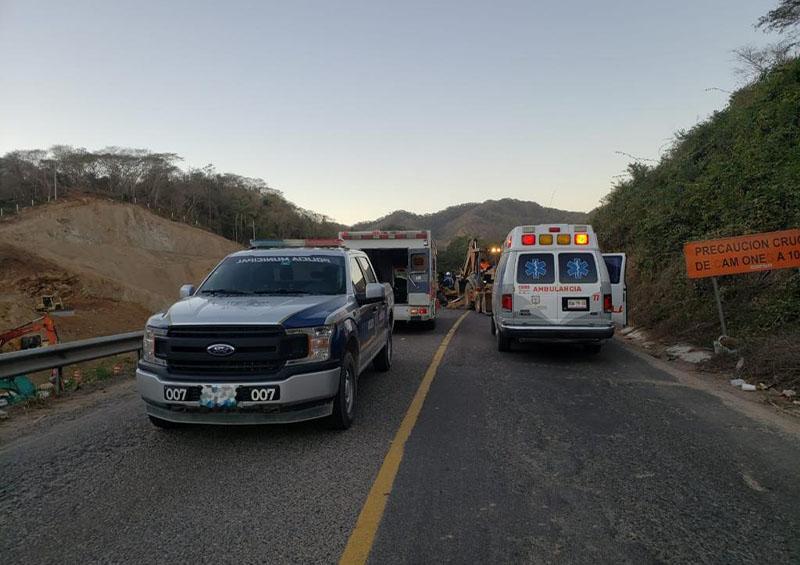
(358, 108)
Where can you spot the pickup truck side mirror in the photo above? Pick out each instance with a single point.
(187, 290)
(375, 292)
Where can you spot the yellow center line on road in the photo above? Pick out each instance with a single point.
(363, 536)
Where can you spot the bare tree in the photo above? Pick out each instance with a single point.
(755, 62)
(784, 17)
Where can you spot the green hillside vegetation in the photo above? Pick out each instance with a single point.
(736, 173)
(227, 204)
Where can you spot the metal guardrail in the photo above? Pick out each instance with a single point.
(62, 354)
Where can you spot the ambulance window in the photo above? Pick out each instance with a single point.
(535, 268)
(577, 268)
(614, 266)
(419, 262)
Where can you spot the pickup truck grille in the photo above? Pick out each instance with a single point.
(259, 351)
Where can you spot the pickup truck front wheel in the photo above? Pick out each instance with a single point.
(383, 361)
(344, 405)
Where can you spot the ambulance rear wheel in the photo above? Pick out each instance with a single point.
(503, 341)
(494, 327)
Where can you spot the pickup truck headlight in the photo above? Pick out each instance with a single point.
(149, 345)
(319, 344)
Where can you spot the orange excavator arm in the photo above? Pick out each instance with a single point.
(44, 325)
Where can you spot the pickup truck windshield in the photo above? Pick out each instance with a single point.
(277, 274)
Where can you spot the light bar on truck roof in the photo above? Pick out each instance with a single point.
(294, 243)
(378, 234)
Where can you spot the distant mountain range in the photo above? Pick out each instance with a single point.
(488, 220)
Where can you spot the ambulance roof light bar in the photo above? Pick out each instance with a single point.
(294, 243)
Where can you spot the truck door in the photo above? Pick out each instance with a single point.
(419, 275)
(364, 315)
(379, 311)
(534, 299)
(580, 295)
(616, 262)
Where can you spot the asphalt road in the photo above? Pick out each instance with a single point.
(539, 455)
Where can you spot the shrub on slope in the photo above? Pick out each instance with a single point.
(736, 173)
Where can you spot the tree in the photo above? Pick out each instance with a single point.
(784, 17)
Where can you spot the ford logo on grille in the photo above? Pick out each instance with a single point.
(220, 349)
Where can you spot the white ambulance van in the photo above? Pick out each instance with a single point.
(407, 261)
(552, 284)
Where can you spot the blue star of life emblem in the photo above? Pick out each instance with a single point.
(535, 268)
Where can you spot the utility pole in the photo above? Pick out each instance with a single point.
(55, 185)
(254, 228)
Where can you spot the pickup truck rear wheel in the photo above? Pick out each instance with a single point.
(344, 404)
(383, 361)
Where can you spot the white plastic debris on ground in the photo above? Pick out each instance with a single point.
(788, 393)
(740, 383)
(688, 353)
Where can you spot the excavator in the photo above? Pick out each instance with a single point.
(43, 330)
(475, 280)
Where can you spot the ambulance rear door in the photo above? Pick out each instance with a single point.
(616, 263)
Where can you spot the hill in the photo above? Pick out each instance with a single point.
(229, 205)
(734, 174)
(114, 263)
(490, 220)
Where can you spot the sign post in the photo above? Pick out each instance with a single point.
(743, 254)
(719, 306)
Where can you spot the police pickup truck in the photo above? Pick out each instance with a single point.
(275, 334)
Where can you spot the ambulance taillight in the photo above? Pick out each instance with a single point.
(507, 302)
(608, 304)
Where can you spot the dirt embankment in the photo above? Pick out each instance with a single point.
(113, 263)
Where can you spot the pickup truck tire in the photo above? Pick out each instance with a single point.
(383, 360)
(163, 424)
(344, 404)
